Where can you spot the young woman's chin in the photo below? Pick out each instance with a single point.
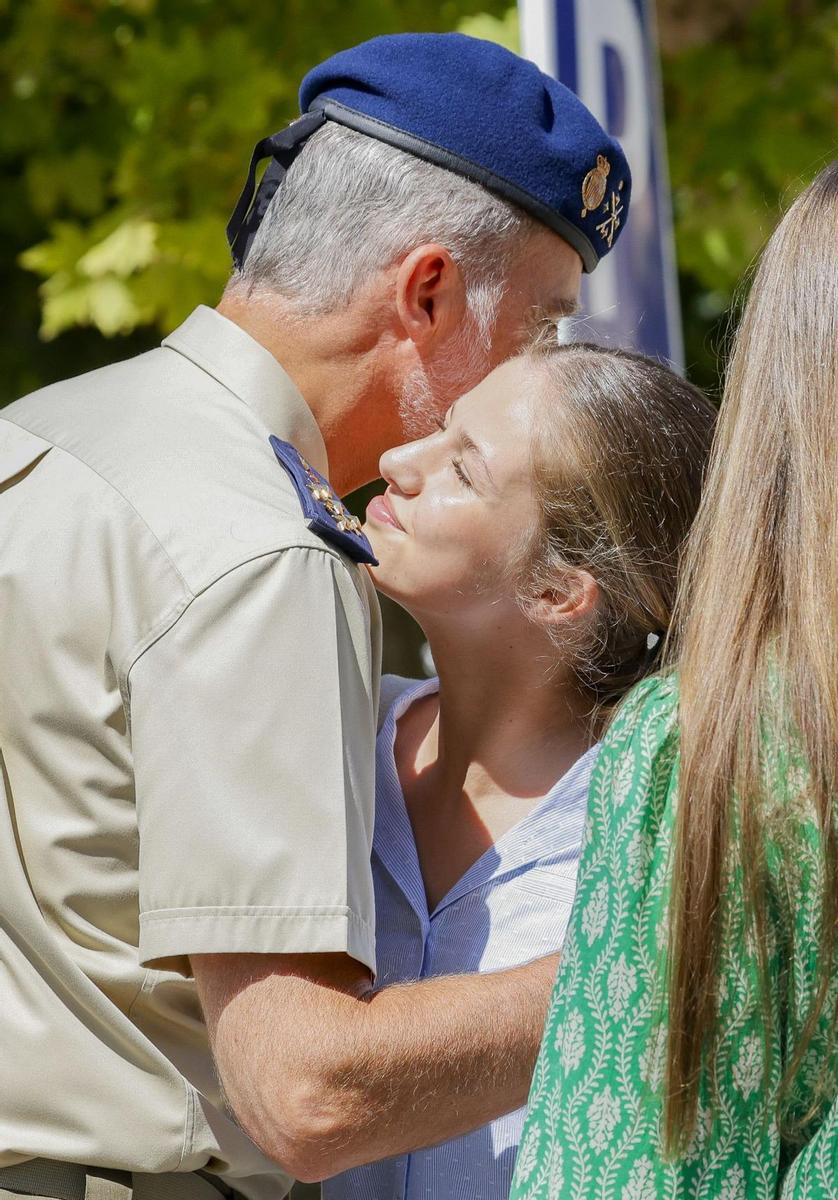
(394, 590)
(414, 603)
(385, 580)
(397, 576)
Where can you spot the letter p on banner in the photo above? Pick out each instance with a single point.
(606, 52)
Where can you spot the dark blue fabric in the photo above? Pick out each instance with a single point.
(316, 512)
(282, 148)
(480, 110)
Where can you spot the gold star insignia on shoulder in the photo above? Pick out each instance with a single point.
(334, 506)
(323, 510)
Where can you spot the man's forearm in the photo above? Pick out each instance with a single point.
(377, 1073)
(429, 1061)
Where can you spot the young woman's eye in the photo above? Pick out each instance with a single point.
(460, 473)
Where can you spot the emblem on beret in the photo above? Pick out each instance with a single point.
(594, 185)
(607, 228)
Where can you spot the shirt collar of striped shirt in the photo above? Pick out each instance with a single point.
(551, 831)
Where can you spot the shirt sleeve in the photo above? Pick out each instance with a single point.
(253, 734)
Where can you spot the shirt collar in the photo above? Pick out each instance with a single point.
(393, 840)
(551, 831)
(243, 366)
(553, 828)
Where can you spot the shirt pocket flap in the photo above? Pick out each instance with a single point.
(20, 451)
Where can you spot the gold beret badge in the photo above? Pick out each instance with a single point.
(594, 184)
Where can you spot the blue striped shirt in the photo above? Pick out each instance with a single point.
(512, 905)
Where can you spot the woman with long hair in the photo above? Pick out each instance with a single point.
(536, 537)
(692, 1044)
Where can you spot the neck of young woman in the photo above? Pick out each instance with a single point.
(511, 717)
(475, 762)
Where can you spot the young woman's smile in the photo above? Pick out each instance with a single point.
(380, 510)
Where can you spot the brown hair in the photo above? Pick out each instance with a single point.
(759, 609)
(620, 449)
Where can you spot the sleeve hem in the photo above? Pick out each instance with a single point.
(172, 933)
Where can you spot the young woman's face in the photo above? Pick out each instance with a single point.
(459, 504)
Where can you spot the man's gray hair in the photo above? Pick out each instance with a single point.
(351, 205)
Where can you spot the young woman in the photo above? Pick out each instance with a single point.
(692, 1044)
(536, 539)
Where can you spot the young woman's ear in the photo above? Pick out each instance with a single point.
(575, 600)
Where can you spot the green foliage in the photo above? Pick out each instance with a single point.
(125, 127)
(504, 30)
(125, 130)
(750, 121)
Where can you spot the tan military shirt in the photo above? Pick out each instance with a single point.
(188, 680)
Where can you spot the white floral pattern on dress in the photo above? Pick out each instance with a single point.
(528, 1153)
(733, 1185)
(622, 980)
(747, 1071)
(593, 1129)
(570, 1040)
(603, 1115)
(640, 1184)
(638, 855)
(595, 916)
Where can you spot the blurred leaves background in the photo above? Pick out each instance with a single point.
(125, 128)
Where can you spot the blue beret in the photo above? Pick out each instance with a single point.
(471, 107)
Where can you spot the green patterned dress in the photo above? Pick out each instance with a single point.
(593, 1129)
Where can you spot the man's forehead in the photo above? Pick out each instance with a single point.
(550, 269)
(553, 289)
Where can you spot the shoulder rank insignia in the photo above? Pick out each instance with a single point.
(325, 513)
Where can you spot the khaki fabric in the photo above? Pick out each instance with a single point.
(71, 1181)
(188, 683)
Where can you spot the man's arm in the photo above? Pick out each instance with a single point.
(324, 1073)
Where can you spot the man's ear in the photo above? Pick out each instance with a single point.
(430, 294)
(570, 603)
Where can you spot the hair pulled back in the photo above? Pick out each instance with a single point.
(621, 443)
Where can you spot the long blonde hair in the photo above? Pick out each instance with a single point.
(759, 609)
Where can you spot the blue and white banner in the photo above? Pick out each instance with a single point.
(606, 52)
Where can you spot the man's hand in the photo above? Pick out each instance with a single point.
(324, 1073)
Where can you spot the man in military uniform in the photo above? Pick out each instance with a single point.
(189, 651)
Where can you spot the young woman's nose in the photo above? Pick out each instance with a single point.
(402, 467)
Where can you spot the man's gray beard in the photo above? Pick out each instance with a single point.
(427, 393)
(417, 405)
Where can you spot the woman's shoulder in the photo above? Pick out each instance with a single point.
(633, 785)
(654, 698)
(392, 687)
(397, 693)
(646, 723)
